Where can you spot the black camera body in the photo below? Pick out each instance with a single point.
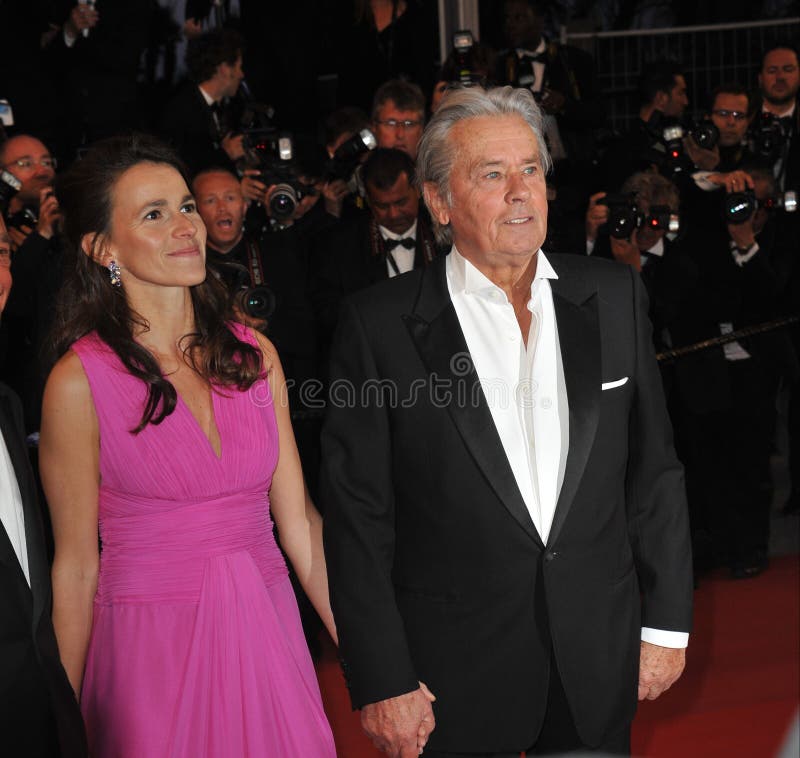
(465, 74)
(254, 301)
(666, 145)
(272, 153)
(768, 136)
(344, 161)
(739, 207)
(9, 186)
(624, 216)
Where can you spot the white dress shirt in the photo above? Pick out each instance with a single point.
(11, 513)
(402, 257)
(524, 386)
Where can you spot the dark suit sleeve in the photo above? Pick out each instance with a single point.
(655, 493)
(360, 524)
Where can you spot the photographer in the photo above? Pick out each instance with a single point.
(270, 263)
(199, 120)
(779, 82)
(392, 238)
(634, 228)
(743, 256)
(32, 217)
(662, 95)
(398, 116)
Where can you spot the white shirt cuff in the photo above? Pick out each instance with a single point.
(663, 638)
(702, 182)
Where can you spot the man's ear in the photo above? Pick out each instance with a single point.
(437, 205)
(95, 245)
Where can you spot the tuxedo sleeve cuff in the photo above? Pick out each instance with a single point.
(664, 638)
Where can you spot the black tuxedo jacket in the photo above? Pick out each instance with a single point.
(38, 711)
(188, 124)
(436, 570)
(343, 262)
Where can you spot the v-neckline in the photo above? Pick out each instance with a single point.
(197, 425)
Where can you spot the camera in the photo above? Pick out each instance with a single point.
(624, 217)
(254, 301)
(465, 73)
(666, 146)
(9, 186)
(768, 135)
(343, 162)
(272, 153)
(738, 207)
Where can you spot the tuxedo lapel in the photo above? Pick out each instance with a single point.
(576, 306)
(37, 561)
(439, 339)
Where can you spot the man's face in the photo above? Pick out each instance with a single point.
(498, 212)
(779, 78)
(222, 207)
(729, 115)
(396, 208)
(677, 100)
(232, 76)
(522, 25)
(5, 265)
(30, 161)
(399, 129)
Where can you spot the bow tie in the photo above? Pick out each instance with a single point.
(409, 243)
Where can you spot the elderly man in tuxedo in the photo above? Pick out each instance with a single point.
(39, 716)
(506, 527)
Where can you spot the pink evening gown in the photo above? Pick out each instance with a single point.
(196, 648)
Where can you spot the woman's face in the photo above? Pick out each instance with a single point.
(157, 236)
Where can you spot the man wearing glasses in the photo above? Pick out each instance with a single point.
(34, 207)
(398, 115)
(32, 219)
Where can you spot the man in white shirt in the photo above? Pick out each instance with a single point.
(39, 716)
(505, 515)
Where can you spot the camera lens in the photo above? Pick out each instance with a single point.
(282, 201)
(258, 302)
(739, 206)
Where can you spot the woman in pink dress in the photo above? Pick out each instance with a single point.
(166, 424)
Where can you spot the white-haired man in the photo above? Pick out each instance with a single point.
(501, 483)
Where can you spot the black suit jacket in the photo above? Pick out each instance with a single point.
(436, 570)
(344, 261)
(38, 712)
(188, 124)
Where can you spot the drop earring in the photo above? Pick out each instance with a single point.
(114, 274)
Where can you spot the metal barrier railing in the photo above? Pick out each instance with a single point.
(709, 55)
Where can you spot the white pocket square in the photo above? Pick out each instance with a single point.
(612, 385)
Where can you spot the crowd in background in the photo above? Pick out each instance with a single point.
(303, 164)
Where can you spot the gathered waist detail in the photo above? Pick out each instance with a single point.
(156, 550)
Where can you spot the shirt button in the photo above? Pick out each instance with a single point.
(547, 403)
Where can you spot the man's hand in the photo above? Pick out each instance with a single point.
(252, 187)
(334, 194)
(704, 159)
(627, 251)
(18, 235)
(400, 726)
(49, 213)
(659, 668)
(232, 145)
(734, 181)
(596, 216)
